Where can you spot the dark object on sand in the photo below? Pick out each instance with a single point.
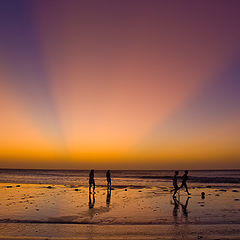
(18, 186)
(125, 189)
(49, 187)
(9, 186)
(76, 189)
(203, 195)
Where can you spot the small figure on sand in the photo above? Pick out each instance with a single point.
(91, 181)
(184, 182)
(108, 176)
(175, 185)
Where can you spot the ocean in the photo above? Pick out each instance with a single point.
(144, 178)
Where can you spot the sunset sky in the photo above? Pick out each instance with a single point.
(120, 84)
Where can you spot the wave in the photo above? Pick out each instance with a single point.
(199, 179)
(122, 177)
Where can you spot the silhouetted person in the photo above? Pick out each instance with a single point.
(184, 182)
(108, 176)
(175, 185)
(108, 197)
(91, 181)
(203, 195)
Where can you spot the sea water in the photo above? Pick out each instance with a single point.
(146, 178)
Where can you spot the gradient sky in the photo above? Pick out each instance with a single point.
(120, 84)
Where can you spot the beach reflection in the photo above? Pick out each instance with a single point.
(108, 199)
(91, 204)
(176, 202)
(91, 201)
(184, 208)
(175, 209)
(42, 203)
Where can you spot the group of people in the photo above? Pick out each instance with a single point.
(109, 182)
(184, 183)
(92, 181)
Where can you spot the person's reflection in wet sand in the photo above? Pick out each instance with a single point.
(108, 199)
(184, 208)
(176, 204)
(91, 203)
(91, 200)
(175, 209)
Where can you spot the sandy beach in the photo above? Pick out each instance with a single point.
(41, 211)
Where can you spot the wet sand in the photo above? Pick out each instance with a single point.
(36, 211)
(164, 232)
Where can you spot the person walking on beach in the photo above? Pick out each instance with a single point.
(108, 176)
(175, 185)
(91, 181)
(184, 182)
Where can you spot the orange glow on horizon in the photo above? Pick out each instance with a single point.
(119, 86)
